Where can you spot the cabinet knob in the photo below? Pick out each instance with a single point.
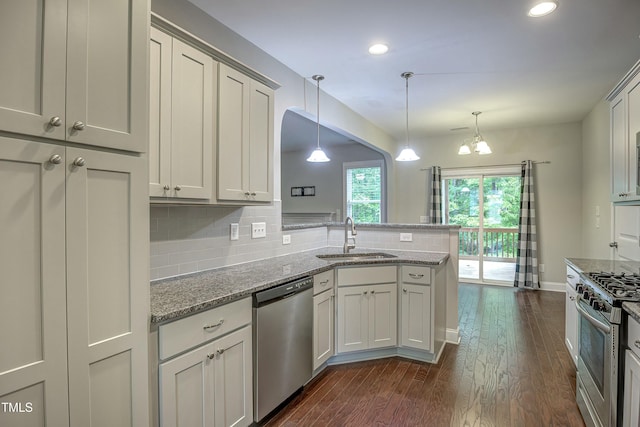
(572, 298)
(177, 188)
(613, 245)
(166, 188)
(404, 290)
(637, 343)
(79, 162)
(56, 159)
(365, 292)
(210, 356)
(220, 351)
(55, 121)
(253, 194)
(247, 193)
(78, 125)
(373, 292)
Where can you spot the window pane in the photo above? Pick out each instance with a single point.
(364, 194)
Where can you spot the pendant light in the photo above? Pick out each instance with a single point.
(480, 146)
(407, 154)
(318, 156)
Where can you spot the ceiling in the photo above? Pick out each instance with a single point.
(468, 55)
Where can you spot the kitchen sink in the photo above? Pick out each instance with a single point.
(356, 257)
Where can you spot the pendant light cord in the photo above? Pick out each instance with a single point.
(406, 76)
(317, 78)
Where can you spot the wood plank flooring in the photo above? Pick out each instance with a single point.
(510, 369)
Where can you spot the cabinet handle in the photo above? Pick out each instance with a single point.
(324, 282)
(56, 159)
(79, 162)
(55, 121)
(637, 343)
(166, 188)
(416, 276)
(613, 244)
(572, 298)
(78, 125)
(404, 290)
(570, 276)
(253, 194)
(373, 292)
(247, 194)
(220, 351)
(177, 188)
(210, 356)
(365, 292)
(209, 327)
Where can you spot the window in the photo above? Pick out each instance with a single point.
(363, 191)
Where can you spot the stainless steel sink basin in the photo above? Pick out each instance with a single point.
(356, 257)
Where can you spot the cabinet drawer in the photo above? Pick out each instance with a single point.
(322, 282)
(183, 334)
(366, 275)
(418, 275)
(633, 336)
(572, 277)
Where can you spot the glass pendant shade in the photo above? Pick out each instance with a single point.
(482, 147)
(407, 155)
(318, 156)
(464, 150)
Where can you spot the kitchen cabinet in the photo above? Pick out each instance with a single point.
(631, 405)
(416, 308)
(626, 230)
(245, 138)
(75, 285)
(323, 318)
(571, 314)
(367, 308)
(182, 119)
(211, 384)
(624, 106)
(77, 71)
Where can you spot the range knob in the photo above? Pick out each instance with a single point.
(579, 288)
(586, 294)
(596, 305)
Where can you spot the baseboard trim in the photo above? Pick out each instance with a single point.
(453, 336)
(552, 286)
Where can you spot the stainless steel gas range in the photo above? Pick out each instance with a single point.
(600, 362)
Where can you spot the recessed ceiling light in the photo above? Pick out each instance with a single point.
(378, 49)
(543, 8)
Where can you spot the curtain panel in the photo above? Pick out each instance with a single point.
(435, 190)
(527, 253)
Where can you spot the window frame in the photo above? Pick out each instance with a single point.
(383, 184)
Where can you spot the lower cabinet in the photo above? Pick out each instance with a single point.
(415, 324)
(323, 324)
(212, 384)
(631, 415)
(367, 317)
(571, 315)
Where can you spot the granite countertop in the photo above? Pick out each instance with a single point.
(585, 265)
(365, 225)
(184, 295)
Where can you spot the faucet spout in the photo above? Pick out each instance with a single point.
(348, 246)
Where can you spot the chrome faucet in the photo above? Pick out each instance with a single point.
(348, 246)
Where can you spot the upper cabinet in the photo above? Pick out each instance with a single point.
(625, 124)
(182, 119)
(79, 78)
(245, 138)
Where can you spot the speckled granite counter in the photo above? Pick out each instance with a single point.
(586, 265)
(365, 225)
(180, 296)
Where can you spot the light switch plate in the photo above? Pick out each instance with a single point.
(258, 230)
(234, 231)
(406, 237)
(286, 239)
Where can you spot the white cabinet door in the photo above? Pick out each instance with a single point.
(245, 138)
(107, 288)
(106, 82)
(33, 37)
(353, 318)
(209, 386)
(233, 379)
(33, 359)
(619, 148)
(323, 322)
(182, 119)
(571, 322)
(631, 414)
(627, 232)
(383, 315)
(416, 326)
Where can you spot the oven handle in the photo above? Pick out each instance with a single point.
(595, 322)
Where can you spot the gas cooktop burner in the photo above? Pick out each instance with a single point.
(618, 286)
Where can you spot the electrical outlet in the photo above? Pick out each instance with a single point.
(406, 237)
(234, 231)
(286, 239)
(258, 230)
(541, 268)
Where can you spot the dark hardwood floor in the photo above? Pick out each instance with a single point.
(510, 369)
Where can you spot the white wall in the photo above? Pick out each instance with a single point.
(596, 183)
(559, 184)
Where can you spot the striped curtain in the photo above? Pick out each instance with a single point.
(527, 255)
(435, 206)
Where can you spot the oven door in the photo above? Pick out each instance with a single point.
(595, 357)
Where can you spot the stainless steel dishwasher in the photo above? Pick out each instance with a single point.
(282, 343)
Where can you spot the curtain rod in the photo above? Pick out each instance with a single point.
(490, 166)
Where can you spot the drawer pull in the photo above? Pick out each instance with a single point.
(637, 343)
(209, 327)
(571, 276)
(324, 282)
(416, 276)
